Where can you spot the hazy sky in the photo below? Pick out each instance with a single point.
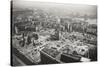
(58, 8)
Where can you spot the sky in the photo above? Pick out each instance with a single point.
(58, 8)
